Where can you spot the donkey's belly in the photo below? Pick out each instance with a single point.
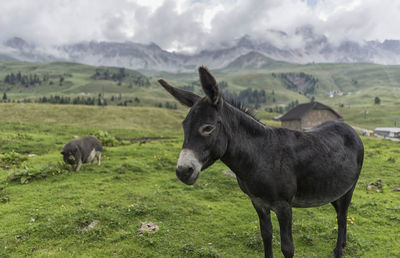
(312, 202)
(323, 192)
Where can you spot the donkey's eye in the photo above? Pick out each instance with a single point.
(206, 129)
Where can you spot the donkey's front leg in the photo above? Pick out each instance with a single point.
(284, 213)
(264, 216)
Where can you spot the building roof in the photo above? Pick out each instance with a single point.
(300, 110)
(388, 129)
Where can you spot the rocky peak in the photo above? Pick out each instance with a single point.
(17, 43)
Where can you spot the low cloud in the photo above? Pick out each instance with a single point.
(191, 25)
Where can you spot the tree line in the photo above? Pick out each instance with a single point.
(25, 79)
(68, 100)
(169, 105)
(32, 79)
(196, 84)
(120, 75)
(250, 97)
(78, 100)
(282, 109)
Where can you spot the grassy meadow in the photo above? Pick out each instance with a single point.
(48, 210)
(360, 83)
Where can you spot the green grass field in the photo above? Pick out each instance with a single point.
(49, 217)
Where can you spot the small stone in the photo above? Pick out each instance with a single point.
(229, 173)
(148, 227)
(91, 225)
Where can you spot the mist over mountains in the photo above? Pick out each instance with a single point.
(245, 52)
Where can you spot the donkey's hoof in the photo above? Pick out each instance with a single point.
(337, 253)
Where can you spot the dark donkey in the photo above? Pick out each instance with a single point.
(277, 168)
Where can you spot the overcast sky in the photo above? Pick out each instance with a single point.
(189, 25)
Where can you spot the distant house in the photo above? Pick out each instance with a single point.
(392, 132)
(307, 115)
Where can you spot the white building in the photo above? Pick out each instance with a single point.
(393, 132)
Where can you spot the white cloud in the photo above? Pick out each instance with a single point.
(359, 20)
(194, 24)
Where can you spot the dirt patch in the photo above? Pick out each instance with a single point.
(376, 186)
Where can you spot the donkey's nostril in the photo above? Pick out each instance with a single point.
(179, 169)
(189, 171)
(184, 172)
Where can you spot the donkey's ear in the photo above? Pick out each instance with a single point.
(187, 98)
(209, 84)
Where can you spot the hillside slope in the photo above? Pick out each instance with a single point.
(279, 82)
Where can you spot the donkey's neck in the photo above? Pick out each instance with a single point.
(246, 137)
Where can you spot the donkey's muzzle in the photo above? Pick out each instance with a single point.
(188, 167)
(186, 174)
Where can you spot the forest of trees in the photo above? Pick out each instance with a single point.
(282, 109)
(188, 88)
(36, 79)
(169, 105)
(25, 79)
(195, 84)
(33, 79)
(120, 75)
(81, 100)
(68, 100)
(250, 97)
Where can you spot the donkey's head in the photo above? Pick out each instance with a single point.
(204, 136)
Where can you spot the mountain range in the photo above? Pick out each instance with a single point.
(245, 52)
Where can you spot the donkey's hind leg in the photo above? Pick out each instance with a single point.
(341, 206)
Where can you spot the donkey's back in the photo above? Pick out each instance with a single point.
(327, 160)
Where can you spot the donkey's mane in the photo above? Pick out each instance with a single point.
(242, 107)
